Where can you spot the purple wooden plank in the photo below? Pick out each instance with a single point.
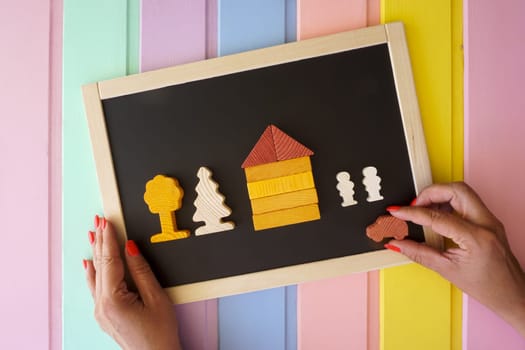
(172, 32)
(176, 32)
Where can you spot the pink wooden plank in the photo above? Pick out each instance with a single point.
(172, 32)
(494, 128)
(342, 311)
(55, 173)
(316, 18)
(327, 312)
(177, 32)
(374, 12)
(24, 178)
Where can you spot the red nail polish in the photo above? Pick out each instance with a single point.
(91, 236)
(97, 221)
(104, 223)
(393, 248)
(132, 248)
(84, 263)
(393, 208)
(414, 201)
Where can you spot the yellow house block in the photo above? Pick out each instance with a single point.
(286, 217)
(278, 169)
(284, 201)
(284, 184)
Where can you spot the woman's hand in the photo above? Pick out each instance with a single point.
(143, 320)
(482, 264)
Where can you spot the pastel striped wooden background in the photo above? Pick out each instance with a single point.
(101, 40)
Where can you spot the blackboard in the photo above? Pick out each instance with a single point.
(348, 97)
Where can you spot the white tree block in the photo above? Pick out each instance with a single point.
(210, 207)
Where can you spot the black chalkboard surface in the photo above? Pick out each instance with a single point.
(341, 96)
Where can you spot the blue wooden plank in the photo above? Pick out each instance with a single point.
(291, 20)
(267, 319)
(247, 25)
(254, 321)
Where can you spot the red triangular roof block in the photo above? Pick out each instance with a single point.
(274, 145)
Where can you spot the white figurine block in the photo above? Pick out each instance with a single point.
(210, 207)
(345, 188)
(372, 184)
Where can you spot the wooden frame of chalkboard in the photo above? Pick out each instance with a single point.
(135, 104)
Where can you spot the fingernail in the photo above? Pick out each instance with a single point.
(91, 236)
(97, 221)
(393, 248)
(393, 208)
(104, 223)
(84, 263)
(132, 248)
(414, 201)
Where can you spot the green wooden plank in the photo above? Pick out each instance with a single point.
(97, 38)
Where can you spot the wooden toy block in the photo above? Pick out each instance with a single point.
(274, 145)
(387, 226)
(372, 184)
(345, 188)
(286, 147)
(209, 205)
(164, 196)
(278, 169)
(263, 151)
(284, 201)
(286, 217)
(284, 184)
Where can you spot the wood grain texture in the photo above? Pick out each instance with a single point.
(286, 147)
(284, 184)
(387, 226)
(241, 62)
(235, 63)
(210, 206)
(284, 201)
(494, 142)
(278, 169)
(25, 177)
(428, 32)
(286, 217)
(88, 55)
(164, 196)
(263, 152)
(172, 33)
(254, 321)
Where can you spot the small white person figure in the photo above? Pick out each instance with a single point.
(345, 188)
(372, 184)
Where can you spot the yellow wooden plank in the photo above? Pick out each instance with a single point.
(284, 201)
(278, 169)
(457, 151)
(286, 217)
(416, 304)
(284, 184)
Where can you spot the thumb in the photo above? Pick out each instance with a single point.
(147, 284)
(421, 254)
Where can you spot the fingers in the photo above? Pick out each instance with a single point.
(462, 199)
(443, 223)
(147, 284)
(90, 276)
(423, 255)
(111, 265)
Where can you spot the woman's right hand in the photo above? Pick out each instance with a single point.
(482, 263)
